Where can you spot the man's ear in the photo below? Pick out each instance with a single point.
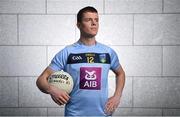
(78, 25)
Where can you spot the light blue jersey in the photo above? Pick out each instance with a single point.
(89, 67)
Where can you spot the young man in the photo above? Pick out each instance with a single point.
(88, 62)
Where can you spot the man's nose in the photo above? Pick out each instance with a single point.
(93, 22)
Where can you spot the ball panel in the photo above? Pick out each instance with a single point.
(61, 80)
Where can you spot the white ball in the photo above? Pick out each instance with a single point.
(61, 80)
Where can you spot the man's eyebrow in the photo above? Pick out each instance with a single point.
(91, 18)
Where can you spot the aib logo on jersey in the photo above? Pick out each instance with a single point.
(90, 75)
(90, 78)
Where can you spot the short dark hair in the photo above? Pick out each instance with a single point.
(83, 10)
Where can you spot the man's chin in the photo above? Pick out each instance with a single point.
(91, 35)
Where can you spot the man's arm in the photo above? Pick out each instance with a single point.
(114, 101)
(59, 96)
(120, 81)
(42, 81)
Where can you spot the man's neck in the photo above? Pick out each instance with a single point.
(88, 41)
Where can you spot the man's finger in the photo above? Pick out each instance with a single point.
(68, 95)
(63, 100)
(56, 101)
(65, 97)
(60, 101)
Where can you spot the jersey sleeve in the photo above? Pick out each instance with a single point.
(115, 64)
(59, 61)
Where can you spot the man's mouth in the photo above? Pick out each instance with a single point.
(93, 28)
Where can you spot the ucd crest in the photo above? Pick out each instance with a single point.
(102, 58)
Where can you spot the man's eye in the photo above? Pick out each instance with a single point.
(89, 19)
(97, 20)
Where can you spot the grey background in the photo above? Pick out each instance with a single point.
(144, 33)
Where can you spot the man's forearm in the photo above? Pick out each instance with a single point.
(42, 81)
(43, 85)
(120, 81)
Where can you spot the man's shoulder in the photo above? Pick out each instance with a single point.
(70, 46)
(104, 46)
(107, 48)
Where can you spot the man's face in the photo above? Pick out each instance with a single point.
(89, 24)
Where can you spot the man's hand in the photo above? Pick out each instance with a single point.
(112, 104)
(59, 96)
(114, 101)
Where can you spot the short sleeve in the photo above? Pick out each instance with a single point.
(115, 64)
(59, 61)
